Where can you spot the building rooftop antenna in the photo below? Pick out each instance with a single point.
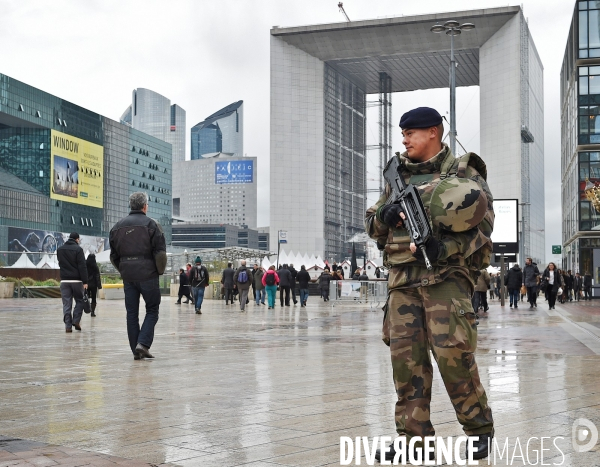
(341, 7)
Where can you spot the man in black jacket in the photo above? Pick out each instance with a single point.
(587, 286)
(138, 250)
(184, 288)
(577, 285)
(199, 280)
(227, 281)
(285, 282)
(73, 280)
(303, 279)
(293, 285)
(530, 280)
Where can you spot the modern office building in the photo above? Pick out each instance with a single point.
(64, 168)
(216, 190)
(153, 114)
(221, 132)
(320, 77)
(263, 238)
(580, 143)
(209, 236)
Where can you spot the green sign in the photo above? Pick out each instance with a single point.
(556, 249)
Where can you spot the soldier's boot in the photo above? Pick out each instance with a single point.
(481, 447)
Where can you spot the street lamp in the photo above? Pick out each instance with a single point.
(452, 28)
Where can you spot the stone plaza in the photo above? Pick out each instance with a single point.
(271, 387)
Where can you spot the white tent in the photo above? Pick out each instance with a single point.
(23, 262)
(48, 262)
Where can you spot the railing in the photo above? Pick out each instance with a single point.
(373, 293)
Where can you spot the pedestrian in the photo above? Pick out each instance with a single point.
(356, 275)
(480, 295)
(303, 279)
(258, 286)
(199, 280)
(513, 281)
(293, 284)
(363, 276)
(227, 281)
(73, 281)
(431, 310)
(184, 288)
(94, 283)
(491, 286)
(285, 283)
(577, 285)
(324, 281)
(270, 280)
(569, 283)
(254, 271)
(138, 251)
(552, 281)
(242, 280)
(377, 272)
(531, 274)
(497, 283)
(587, 286)
(188, 268)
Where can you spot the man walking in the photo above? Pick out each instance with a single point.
(293, 285)
(242, 280)
(285, 283)
(184, 288)
(587, 286)
(480, 296)
(199, 280)
(138, 251)
(227, 281)
(254, 271)
(73, 281)
(429, 312)
(303, 280)
(577, 286)
(530, 281)
(258, 286)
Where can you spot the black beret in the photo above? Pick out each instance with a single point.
(421, 117)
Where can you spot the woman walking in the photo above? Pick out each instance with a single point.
(552, 281)
(93, 280)
(270, 280)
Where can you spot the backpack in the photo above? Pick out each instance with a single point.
(198, 275)
(270, 280)
(242, 277)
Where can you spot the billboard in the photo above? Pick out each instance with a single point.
(77, 168)
(505, 235)
(228, 172)
(40, 242)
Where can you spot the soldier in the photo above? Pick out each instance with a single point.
(431, 310)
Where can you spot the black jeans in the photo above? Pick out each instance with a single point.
(532, 295)
(286, 289)
(150, 290)
(551, 297)
(228, 295)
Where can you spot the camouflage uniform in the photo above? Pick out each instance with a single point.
(431, 310)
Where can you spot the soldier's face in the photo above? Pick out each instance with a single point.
(417, 142)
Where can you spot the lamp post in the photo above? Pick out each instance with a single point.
(452, 28)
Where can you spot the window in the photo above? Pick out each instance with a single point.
(589, 29)
(589, 167)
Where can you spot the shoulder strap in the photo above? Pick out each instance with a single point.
(471, 159)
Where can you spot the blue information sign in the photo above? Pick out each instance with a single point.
(227, 172)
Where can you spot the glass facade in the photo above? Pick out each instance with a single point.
(208, 236)
(27, 115)
(220, 132)
(580, 144)
(345, 163)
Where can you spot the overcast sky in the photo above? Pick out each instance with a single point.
(205, 54)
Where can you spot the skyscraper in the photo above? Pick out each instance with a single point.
(153, 114)
(221, 132)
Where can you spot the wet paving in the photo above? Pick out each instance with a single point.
(274, 387)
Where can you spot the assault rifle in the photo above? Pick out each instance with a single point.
(408, 198)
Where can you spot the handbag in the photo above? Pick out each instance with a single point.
(523, 290)
(87, 308)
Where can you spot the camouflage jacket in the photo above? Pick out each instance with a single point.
(459, 249)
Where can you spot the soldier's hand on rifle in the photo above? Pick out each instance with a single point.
(433, 248)
(392, 215)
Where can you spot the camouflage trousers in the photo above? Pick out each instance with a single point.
(437, 318)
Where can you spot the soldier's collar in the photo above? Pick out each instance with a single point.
(429, 166)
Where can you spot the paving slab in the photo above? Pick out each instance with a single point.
(269, 387)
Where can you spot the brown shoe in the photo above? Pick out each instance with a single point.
(77, 326)
(68, 330)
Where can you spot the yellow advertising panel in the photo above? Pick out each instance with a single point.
(77, 168)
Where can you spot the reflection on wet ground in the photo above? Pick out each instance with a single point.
(277, 387)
